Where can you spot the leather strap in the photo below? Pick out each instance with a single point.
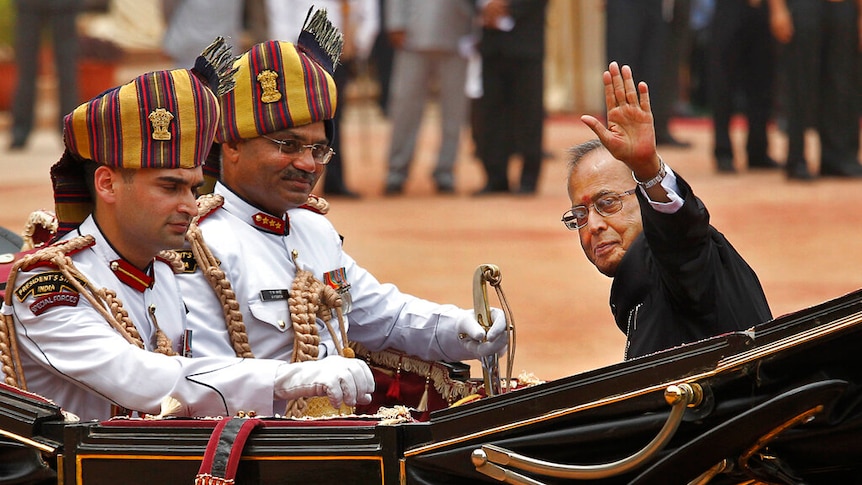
(224, 450)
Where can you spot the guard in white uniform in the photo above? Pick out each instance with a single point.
(96, 321)
(71, 355)
(257, 258)
(261, 228)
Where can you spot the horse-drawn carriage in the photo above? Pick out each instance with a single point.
(779, 403)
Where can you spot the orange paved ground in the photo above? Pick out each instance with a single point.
(803, 239)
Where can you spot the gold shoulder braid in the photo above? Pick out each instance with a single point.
(172, 258)
(216, 277)
(310, 299)
(103, 300)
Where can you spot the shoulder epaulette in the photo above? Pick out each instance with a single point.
(41, 258)
(207, 204)
(67, 247)
(316, 203)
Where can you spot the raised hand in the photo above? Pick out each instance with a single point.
(630, 134)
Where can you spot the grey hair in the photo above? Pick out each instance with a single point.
(578, 152)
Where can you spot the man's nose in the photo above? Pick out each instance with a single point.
(188, 204)
(595, 221)
(305, 161)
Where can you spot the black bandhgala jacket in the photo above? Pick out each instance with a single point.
(682, 281)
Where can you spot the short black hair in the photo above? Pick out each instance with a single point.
(89, 168)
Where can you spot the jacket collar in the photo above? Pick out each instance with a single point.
(252, 216)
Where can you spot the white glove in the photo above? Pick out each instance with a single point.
(338, 378)
(472, 336)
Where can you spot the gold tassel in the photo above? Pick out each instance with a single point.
(423, 403)
(163, 343)
(170, 407)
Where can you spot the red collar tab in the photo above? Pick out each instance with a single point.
(268, 223)
(131, 276)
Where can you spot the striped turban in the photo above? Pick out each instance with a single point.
(161, 119)
(279, 85)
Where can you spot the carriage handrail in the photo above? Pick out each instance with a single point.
(679, 397)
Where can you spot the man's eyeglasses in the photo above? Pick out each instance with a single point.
(606, 205)
(322, 154)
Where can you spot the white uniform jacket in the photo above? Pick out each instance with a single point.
(72, 355)
(259, 266)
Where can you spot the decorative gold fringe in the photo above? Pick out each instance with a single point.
(170, 406)
(451, 389)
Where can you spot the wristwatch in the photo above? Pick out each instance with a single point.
(662, 173)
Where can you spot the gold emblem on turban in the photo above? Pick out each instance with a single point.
(270, 88)
(160, 119)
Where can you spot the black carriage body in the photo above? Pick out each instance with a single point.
(780, 403)
(171, 452)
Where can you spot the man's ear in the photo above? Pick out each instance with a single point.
(230, 152)
(230, 155)
(105, 182)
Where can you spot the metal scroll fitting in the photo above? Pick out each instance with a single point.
(489, 273)
(490, 459)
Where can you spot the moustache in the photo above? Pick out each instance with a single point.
(291, 173)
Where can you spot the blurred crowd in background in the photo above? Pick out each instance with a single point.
(495, 67)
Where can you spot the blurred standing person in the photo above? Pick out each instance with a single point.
(429, 39)
(638, 34)
(700, 21)
(192, 24)
(679, 46)
(255, 22)
(382, 56)
(359, 22)
(32, 17)
(512, 110)
(741, 54)
(821, 43)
